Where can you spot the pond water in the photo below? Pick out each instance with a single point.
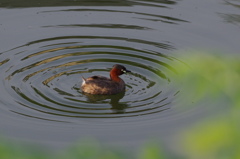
(46, 47)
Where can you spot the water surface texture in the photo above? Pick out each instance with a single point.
(46, 47)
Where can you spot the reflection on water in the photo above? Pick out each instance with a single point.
(36, 3)
(234, 3)
(48, 80)
(49, 45)
(231, 17)
(116, 106)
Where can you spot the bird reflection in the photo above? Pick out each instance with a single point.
(117, 107)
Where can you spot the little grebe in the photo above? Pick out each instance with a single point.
(104, 85)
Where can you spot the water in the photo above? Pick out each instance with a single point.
(46, 47)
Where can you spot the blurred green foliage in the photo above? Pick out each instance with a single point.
(211, 76)
(151, 150)
(10, 150)
(90, 149)
(218, 138)
(201, 76)
(214, 74)
(87, 149)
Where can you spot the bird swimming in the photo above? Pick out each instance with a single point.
(103, 85)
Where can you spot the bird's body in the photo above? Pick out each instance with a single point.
(104, 85)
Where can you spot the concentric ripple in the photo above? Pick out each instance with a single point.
(41, 79)
(45, 83)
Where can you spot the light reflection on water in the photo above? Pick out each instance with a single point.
(48, 79)
(47, 48)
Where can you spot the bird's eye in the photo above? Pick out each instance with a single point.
(123, 70)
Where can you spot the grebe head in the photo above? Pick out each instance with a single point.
(116, 71)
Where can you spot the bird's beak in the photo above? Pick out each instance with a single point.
(126, 71)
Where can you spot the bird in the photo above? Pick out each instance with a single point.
(101, 85)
